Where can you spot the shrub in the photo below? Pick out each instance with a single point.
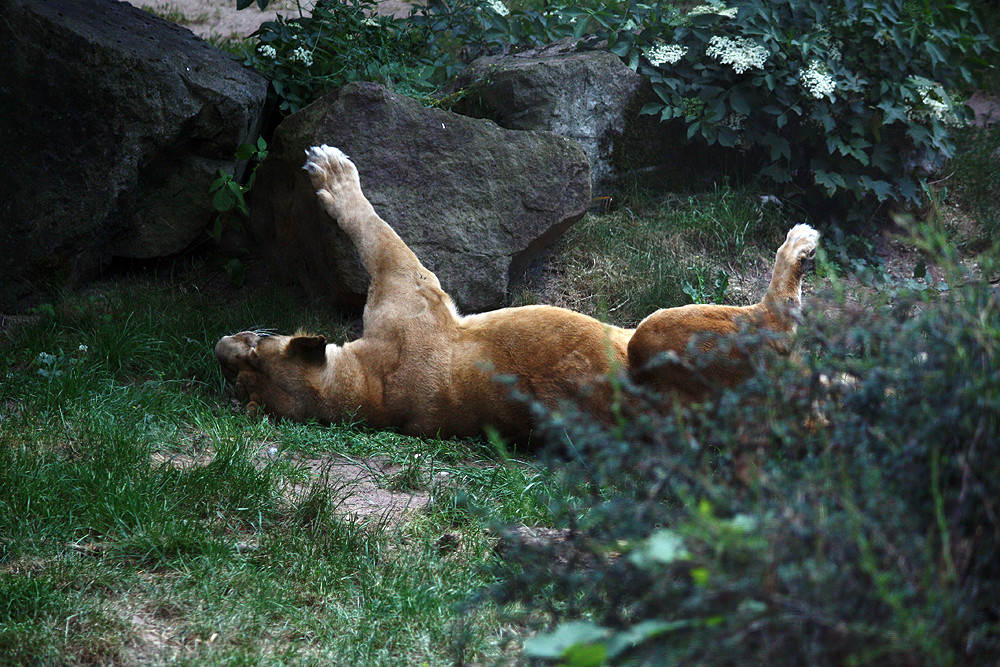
(340, 42)
(837, 510)
(840, 97)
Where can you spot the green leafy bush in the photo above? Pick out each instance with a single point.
(841, 509)
(840, 97)
(340, 42)
(841, 92)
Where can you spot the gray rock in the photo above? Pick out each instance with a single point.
(474, 201)
(586, 96)
(593, 98)
(114, 124)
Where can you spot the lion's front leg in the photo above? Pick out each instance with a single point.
(401, 286)
(339, 190)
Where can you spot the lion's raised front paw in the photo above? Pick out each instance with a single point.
(329, 167)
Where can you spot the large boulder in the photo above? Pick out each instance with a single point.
(586, 96)
(592, 97)
(474, 201)
(114, 123)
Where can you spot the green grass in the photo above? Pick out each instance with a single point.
(625, 264)
(142, 519)
(976, 172)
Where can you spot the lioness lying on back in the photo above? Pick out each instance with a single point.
(424, 369)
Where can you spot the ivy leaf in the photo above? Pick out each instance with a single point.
(244, 152)
(223, 200)
(555, 644)
(651, 109)
(777, 172)
(621, 48)
(738, 103)
(727, 137)
(779, 147)
(640, 632)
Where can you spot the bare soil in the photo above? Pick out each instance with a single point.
(219, 19)
(357, 486)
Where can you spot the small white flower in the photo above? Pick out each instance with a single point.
(303, 55)
(935, 102)
(817, 80)
(371, 21)
(734, 121)
(741, 53)
(664, 53)
(834, 47)
(268, 51)
(83, 348)
(727, 12)
(497, 7)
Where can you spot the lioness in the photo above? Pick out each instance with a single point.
(424, 369)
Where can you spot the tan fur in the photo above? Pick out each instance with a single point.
(421, 367)
(663, 352)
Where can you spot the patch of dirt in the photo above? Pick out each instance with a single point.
(986, 107)
(219, 19)
(357, 486)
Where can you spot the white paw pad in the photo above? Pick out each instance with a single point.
(803, 238)
(326, 157)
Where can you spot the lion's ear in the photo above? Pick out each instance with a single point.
(308, 349)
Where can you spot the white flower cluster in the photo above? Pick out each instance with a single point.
(664, 53)
(302, 55)
(268, 51)
(817, 80)
(727, 12)
(833, 46)
(372, 22)
(497, 7)
(734, 121)
(933, 104)
(741, 53)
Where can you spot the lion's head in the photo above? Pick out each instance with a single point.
(275, 373)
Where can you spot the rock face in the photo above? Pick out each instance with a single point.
(475, 202)
(591, 97)
(114, 123)
(586, 96)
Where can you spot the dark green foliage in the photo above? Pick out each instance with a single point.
(840, 509)
(339, 42)
(836, 97)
